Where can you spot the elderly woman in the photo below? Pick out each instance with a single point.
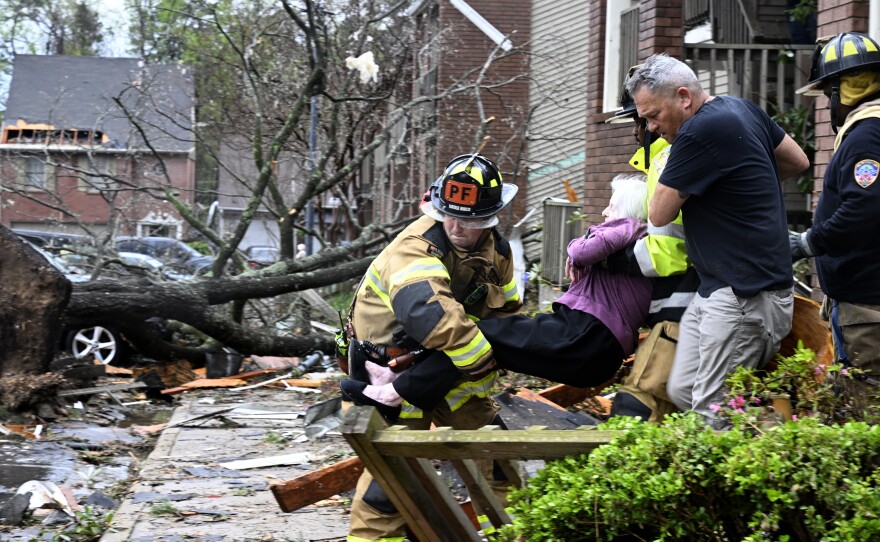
(592, 329)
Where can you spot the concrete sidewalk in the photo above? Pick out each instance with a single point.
(183, 493)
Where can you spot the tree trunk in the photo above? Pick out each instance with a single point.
(33, 296)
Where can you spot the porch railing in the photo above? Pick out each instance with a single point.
(767, 74)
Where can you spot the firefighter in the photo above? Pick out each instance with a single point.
(846, 225)
(660, 255)
(447, 269)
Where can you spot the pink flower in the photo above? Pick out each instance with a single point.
(757, 400)
(794, 417)
(820, 369)
(715, 407)
(844, 372)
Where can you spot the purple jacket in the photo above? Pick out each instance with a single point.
(619, 301)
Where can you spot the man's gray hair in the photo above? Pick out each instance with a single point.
(662, 74)
(632, 195)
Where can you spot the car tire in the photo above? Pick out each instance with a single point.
(101, 343)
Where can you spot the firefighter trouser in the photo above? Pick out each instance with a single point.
(646, 382)
(859, 328)
(372, 515)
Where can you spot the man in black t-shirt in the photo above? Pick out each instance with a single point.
(724, 171)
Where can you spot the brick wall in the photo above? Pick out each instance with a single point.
(610, 146)
(465, 49)
(833, 18)
(90, 206)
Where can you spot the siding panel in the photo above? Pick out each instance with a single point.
(557, 95)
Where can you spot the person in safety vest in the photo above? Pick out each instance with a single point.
(660, 255)
(726, 183)
(846, 226)
(594, 326)
(422, 296)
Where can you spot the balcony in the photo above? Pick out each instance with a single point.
(767, 74)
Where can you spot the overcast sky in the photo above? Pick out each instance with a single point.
(115, 26)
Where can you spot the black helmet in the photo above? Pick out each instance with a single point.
(837, 55)
(470, 187)
(627, 111)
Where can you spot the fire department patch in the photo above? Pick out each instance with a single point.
(866, 172)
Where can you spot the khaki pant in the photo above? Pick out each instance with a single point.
(368, 523)
(650, 370)
(860, 326)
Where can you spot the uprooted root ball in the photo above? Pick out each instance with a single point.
(20, 392)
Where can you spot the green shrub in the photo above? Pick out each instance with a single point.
(682, 481)
(804, 480)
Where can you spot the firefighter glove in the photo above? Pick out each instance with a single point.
(799, 244)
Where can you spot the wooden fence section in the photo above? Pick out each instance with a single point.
(399, 460)
(309, 488)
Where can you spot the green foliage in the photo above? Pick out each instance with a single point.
(164, 508)
(798, 123)
(803, 10)
(683, 481)
(816, 391)
(274, 437)
(814, 478)
(341, 300)
(89, 524)
(202, 247)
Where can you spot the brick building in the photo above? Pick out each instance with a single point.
(456, 41)
(92, 142)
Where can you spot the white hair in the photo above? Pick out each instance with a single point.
(632, 195)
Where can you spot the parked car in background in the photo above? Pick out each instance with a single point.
(56, 241)
(179, 258)
(100, 341)
(260, 256)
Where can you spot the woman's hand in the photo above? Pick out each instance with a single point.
(573, 272)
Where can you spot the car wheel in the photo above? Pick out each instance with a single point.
(98, 342)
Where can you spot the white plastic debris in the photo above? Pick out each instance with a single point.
(45, 494)
(366, 65)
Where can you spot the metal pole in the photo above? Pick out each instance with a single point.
(313, 164)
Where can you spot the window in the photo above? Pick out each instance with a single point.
(99, 172)
(621, 40)
(158, 230)
(34, 173)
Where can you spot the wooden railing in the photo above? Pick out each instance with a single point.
(399, 461)
(767, 74)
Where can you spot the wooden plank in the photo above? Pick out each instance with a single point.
(406, 483)
(204, 383)
(317, 485)
(99, 389)
(522, 444)
(298, 382)
(530, 395)
(566, 396)
(272, 461)
(481, 493)
(293, 494)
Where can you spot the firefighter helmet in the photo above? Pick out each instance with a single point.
(470, 187)
(837, 55)
(627, 111)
